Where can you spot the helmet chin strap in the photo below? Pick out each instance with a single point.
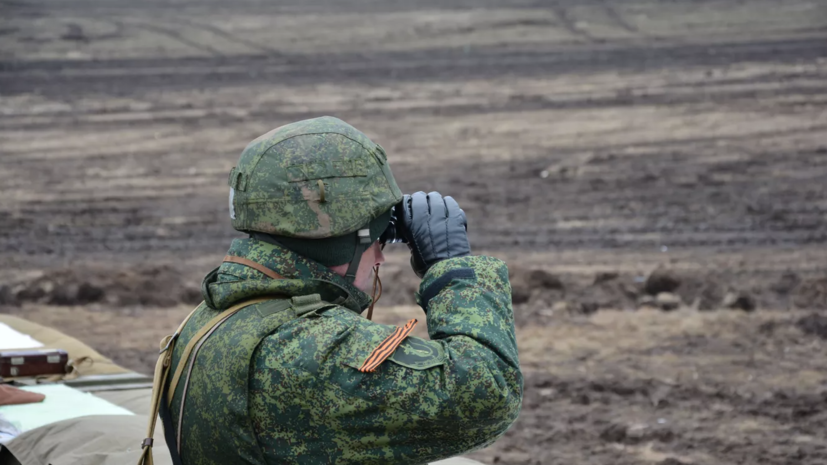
(377, 287)
(363, 242)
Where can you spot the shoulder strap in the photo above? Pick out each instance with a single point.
(160, 377)
(162, 371)
(197, 337)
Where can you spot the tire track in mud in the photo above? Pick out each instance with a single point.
(651, 96)
(516, 104)
(619, 20)
(228, 36)
(117, 30)
(176, 36)
(570, 24)
(100, 77)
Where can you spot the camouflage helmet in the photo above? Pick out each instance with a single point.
(312, 186)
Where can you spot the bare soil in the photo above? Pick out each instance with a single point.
(652, 171)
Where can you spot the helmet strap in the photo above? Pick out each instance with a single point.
(363, 243)
(377, 291)
(265, 238)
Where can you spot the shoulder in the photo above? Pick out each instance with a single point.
(371, 345)
(332, 335)
(337, 338)
(338, 335)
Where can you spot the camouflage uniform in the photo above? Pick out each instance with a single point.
(280, 381)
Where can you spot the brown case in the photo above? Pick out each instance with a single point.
(18, 363)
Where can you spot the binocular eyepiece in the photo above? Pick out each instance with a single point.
(395, 232)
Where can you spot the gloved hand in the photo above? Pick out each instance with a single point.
(435, 228)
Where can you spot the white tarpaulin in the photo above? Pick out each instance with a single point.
(12, 339)
(61, 403)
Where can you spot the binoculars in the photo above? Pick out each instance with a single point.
(395, 232)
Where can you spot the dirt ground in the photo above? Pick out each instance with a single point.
(654, 172)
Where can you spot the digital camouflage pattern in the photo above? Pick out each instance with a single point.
(312, 179)
(269, 386)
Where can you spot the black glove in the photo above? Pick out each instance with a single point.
(435, 228)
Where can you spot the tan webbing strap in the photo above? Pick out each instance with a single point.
(256, 266)
(161, 372)
(179, 370)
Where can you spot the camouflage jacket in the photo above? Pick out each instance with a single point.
(301, 398)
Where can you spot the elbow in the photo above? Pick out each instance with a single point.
(493, 404)
(507, 395)
(491, 422)
(507, 409)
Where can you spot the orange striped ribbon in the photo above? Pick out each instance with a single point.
(386, 348)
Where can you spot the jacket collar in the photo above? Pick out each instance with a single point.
(231, 283)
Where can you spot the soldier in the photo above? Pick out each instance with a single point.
(277, 365)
